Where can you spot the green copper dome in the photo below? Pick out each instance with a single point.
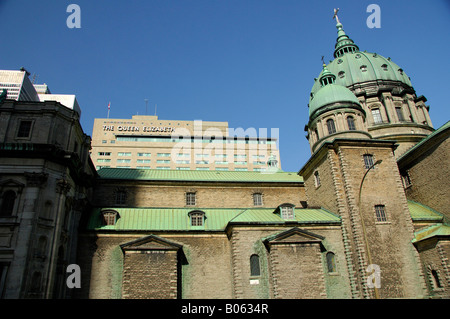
(352, 66)
(328, 95)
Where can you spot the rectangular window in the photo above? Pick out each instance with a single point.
(406, 180)
(163, 161)
(121, 197)
(123, 161)
(287, 212)
(103, 160)
(104, 153)
(163, 154)
(399, 112)
(196, 219)
(143, 161)
(190, 199)
(24, 129)
(331, 126)
(380, 213)
(144, 154)
(368, 161)
(316, 179)
(124, 154)
(257, 199)
(376, 116)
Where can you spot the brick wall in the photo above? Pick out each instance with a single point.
(429, 178)
(297, 271)
(150, 275)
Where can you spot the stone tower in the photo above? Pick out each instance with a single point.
(363, 113)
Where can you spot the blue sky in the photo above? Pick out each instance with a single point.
(248, 62)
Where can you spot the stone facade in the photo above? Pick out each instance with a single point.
(44, 189)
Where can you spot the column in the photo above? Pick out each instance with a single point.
(18, 268)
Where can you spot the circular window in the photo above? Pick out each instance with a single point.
(358, 56)
(339, 61)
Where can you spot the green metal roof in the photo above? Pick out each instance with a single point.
(329, 94)
(420, 212)
(217, 219)
(302, 215)
(198, 176)
(437, 230)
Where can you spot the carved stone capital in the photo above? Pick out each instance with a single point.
(62, 186)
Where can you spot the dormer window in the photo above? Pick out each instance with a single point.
(197, 218)
(110, 217)
(363, 68)
(287, 211)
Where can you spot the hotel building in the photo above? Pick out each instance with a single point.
(146, 142)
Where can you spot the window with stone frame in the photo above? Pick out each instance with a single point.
(380, 213)
(331, 262)
(351, 123)
(316, 179)
(368, 160)
(191, 198)
(24, 128)
(257, 199)
(255, 269)
(331, 126)
(120, 197)
(8, 200)
(376, 114)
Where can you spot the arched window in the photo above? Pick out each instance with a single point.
(316, 179)
(331, 263)
(7, 204)
(254, 265)
(331, 127)
(351, 123)
(110, 217)
(287, 211)
(436, 281)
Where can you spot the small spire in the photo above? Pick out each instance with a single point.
(327, 77)
(343, 43)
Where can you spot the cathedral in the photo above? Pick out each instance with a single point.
(366, 217)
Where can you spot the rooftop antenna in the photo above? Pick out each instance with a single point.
(146, 104)
(34, 78)
(155, 109)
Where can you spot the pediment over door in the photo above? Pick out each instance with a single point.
(151, 242)
(294, 236)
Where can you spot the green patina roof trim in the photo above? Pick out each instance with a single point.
(216, 219)
(198, 176)
(420, 212)
(436, 230)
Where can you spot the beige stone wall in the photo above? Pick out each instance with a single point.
(205, 272)
(429, 178)
(436, 267)
(210, 195)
